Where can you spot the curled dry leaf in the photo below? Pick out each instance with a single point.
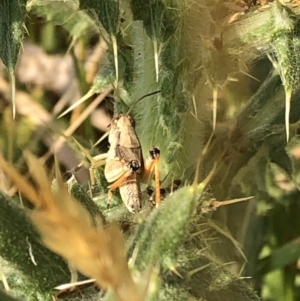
(68, 229)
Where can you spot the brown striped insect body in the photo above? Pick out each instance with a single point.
(125, 167)
(124, 163)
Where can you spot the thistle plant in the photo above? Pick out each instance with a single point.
(12, 16)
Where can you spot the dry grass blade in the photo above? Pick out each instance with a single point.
(213, 205)
(67, 229)
(20, 182)
(74, 284)
(71, 129)
(39, 175)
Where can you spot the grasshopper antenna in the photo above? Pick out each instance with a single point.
(136, 101)
(130, 109)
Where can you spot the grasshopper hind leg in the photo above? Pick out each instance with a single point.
(152, 164)
(155, 155)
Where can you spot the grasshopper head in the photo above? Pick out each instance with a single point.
(122, 120)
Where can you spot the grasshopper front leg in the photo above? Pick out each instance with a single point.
(97, 161)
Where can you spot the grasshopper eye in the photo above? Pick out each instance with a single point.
(115, 119)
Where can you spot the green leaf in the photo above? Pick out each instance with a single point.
(108, 14)
(286, 43)
(66, 14)
(20, 245)
(158, 237)
(5, 297)
(160, 17)
(280, 258)
(82, 197)
(106, 11)
(12, 16)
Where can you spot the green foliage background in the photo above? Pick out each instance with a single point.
(248, 70)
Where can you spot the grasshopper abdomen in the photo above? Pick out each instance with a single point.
(130, 193)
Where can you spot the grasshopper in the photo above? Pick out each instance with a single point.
(125, 167)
